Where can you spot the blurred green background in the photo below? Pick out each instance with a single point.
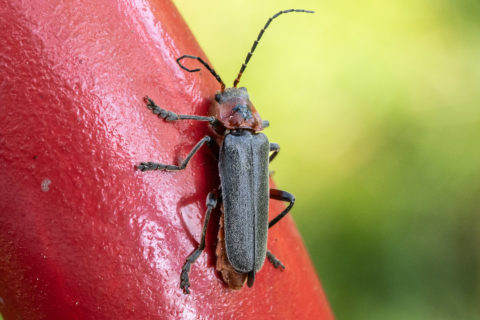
(376, 105)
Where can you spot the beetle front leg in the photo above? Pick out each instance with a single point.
(172, 116)
(148, 166)
(184, 278)
(284, 196)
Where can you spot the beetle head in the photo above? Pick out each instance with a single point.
(234, 110)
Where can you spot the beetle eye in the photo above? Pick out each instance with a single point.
(218, 97)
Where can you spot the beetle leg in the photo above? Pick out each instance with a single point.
(184, 279)
(148, 166)
(265, 124)
(284, 196)
(172, 116)
(214, 148)
(275, 147)
(276, 263)
(251, 278)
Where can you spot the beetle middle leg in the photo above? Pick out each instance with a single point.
(148, 166)
(275, 147)
(184, 279)
(284, 196)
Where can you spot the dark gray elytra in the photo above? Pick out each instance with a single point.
(243, 168)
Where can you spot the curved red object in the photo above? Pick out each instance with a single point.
(84, 235)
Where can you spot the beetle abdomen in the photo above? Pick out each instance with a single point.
(243, 167)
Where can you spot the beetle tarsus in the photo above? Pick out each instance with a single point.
(184, 279)
(150, 166)
(276, 263)
(160, 112)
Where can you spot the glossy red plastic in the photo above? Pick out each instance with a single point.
(84, 235)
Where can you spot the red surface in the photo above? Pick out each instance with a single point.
(84, 235)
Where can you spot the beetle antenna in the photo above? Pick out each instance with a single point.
(249, 55)
(196, 70)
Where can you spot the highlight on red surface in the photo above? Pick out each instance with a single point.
(83, 234)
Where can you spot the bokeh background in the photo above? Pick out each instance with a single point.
(376, 105)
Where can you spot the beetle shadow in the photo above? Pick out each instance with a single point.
(212, 229)
(179, 152)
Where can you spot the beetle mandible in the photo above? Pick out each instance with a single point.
(243, 154)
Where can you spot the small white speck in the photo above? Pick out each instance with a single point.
(46, 185)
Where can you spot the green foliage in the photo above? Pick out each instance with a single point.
(376, 106)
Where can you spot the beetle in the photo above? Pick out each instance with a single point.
(243, 155)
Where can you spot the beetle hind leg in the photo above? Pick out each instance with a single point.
(276, 263)
(251, 278)
(184, 278)
(283, 196)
